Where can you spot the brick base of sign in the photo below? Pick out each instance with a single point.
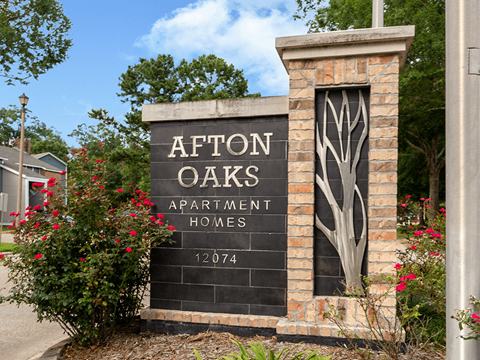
(309, 321)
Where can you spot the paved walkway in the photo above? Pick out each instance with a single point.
(21, 336)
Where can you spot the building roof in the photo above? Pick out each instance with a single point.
(10, 157)
(41, 155)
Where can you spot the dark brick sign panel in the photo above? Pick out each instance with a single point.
(223, 185)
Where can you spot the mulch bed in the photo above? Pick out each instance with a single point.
(128, 345)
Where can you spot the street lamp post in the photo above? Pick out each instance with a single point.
(24, 101)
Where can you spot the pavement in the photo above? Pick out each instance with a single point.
(22, 337)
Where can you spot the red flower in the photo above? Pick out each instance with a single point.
(133, 233)
(171, 227)
(46, 203)
(129, 249)
(138, 191)
(120, 190)
(37, 207)
(43, 191)
(160, 223)
(13, 213)
(56, 227)
(94, 178)
(63, 172)
(413, 247)
(1, 256)
(50, 193)
(411, 276)
(134, 201)
(37, 225)
(117, 240)
(133, 215)
(38, 256)
(138, 204)
(430, 231)
(160, 216)
(417, 233)
(23, 221)
(398, 266)
(102, 187)
(100, 144)
(409, 196)
(401, 286)
(55, 212)
(98, 160)
(9, 227)
(475, 316)
(44, 238)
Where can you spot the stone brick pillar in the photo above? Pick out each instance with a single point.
(338, 60)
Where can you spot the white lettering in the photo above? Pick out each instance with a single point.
(194, 205)
(256, 206)
(205, 204)
(183, 203)
(195, 145)
(245, 144)
(232, 176)
(218, 222)
(229, 205)
(210, 175)
(266, 203)
(216, 203)
(195, 177)
(202, 222)
(172, 205)
(230, 221)
(256, 137)
(241, 222)
(243, 204)
(215, 143)
(177, 145)
(193, 221)
(250, 175)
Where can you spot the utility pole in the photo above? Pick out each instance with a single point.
(463, 168)
(24, 101)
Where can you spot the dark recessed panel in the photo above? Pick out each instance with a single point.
(223, 185)
(344, 141)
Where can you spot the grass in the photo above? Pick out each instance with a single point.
(6, 247)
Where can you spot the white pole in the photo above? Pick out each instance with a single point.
(377, 14)
(463, 168)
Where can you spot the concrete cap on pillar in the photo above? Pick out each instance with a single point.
(358, 42)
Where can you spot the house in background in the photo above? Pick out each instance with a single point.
(37, 168)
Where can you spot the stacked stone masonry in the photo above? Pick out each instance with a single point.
(305, 311)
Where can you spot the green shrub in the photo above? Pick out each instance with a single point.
(84, 261)
(258, 352)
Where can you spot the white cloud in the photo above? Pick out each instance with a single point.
(241, 33)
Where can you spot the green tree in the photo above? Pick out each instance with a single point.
(422, 80)
(32, 37)
(43, 139)
(128, 164)
(160, 81)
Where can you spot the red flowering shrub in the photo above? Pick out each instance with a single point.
(84, 262)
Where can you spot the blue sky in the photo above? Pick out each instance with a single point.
(109, 35)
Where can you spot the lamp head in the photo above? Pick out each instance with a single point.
(23, 99)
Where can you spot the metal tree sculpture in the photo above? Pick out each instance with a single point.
(343, 236)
